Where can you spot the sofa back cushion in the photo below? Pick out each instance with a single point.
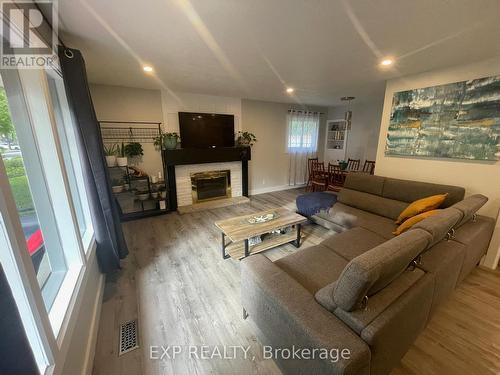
(372, 203)
(372, 271)
(469, 206)
(410, 191)
(365, 182)
(440, 224)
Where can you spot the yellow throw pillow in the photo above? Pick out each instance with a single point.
(413, 220)
(422, 205)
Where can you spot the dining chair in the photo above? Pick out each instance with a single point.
(335, 177)
(319, 177)
(352, 164)
(369, 166)
(309, 172)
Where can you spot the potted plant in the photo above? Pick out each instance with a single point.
(121, 160)
(110, 151)
(342, 164)
(170, 140)
(245, 139)
(167, 141)
(117, 186)
(133, 150)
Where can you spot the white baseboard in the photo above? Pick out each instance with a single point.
(275, 188)
(94, 329)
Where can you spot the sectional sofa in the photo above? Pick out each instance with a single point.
(363, 290)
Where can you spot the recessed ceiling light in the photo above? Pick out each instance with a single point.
(290, 90)
(387, 62)
(147, 68)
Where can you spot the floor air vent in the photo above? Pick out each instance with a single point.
(129, 337)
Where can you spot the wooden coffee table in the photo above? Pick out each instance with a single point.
(239, 230)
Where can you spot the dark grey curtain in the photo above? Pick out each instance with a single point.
(16, 356)
(111, 246)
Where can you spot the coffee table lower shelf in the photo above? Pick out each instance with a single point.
(237, 250)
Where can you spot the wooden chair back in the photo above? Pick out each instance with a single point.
(317, 169)
(369, 166)
(335, 175)
(352, 164)
(310, 162)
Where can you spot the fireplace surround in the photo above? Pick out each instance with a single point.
(186, 157)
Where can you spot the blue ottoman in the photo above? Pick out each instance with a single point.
(311, 203)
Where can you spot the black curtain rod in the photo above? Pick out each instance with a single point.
(130, 122)
(296, 110)
(50, 25)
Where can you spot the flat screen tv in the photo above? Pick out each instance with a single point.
(204, 130)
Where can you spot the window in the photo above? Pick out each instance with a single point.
(69, 148)
(28, 184)
(45, 226)
(302, 135)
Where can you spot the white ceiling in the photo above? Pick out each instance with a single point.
(325, 49)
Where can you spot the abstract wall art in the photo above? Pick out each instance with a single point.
(457, 120)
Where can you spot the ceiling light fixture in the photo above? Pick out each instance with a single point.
(147, 68)
(290, 90)
(387, 62)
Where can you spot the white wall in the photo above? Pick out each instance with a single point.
(116, 103)
(365, 127)
(475, 176)
(79, 358)
(268, 170)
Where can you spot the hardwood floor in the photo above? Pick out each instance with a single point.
(183, 293)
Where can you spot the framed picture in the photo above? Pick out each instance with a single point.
(457, 120)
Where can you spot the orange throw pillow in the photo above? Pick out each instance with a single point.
(413, 220)
(421, 205)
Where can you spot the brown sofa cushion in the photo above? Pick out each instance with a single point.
(378, 303)
(313, 267)
(440, 224)
(353, 242)
(372, 271)
(476, 236)
(469, 206)
(365, 182)
(410, 191)
(372, 203)
(394, 331)
(444, 260)
(349, 217)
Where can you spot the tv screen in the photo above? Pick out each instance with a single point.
(202, 130)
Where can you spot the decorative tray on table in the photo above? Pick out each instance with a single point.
(262, 218)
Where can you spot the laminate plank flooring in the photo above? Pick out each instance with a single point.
(183, 293)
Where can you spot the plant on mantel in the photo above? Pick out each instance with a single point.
(167, 141)
(246, 139)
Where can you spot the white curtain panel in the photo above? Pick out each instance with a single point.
(302, 143)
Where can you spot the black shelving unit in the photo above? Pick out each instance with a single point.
(130, 206)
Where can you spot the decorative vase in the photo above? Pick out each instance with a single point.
(242, 142)
(170, 143)
(111, 160)
(343, 165)
(122, 161)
